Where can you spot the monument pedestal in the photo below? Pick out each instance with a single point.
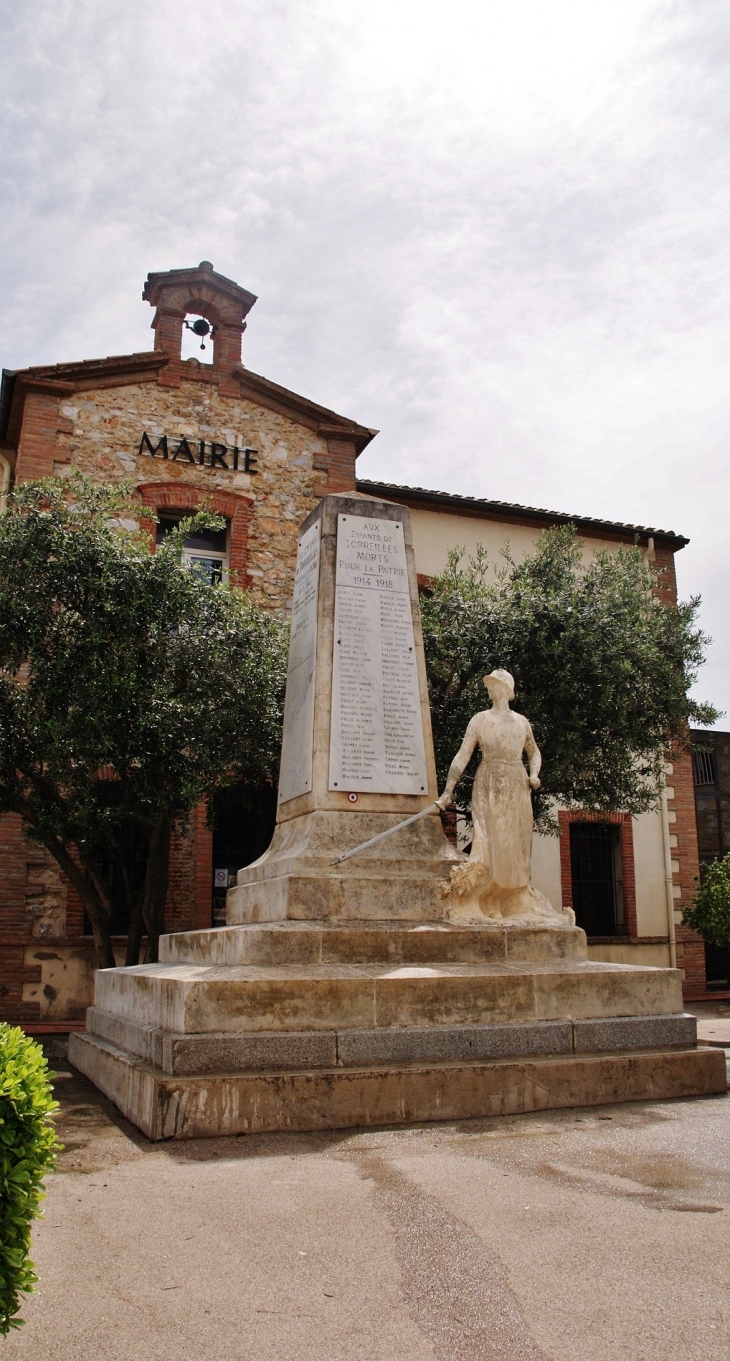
(399, 879)
(337, 995)
(303, 1026)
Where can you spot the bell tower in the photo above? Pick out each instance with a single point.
(179, 293)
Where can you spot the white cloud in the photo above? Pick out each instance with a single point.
(497, 232)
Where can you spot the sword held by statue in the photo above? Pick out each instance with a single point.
(432, 808)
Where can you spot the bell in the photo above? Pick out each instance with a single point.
(201, 328)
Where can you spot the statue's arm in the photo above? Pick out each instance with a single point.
(534, 758)
(459, 764)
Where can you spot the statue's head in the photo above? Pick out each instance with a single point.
(500, 682)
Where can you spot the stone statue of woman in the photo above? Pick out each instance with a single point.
(495, 881)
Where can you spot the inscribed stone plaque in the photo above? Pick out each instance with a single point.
(376, 742)
(295, 774)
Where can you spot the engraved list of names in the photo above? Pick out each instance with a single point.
(376, 742)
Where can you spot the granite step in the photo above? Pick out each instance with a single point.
(191, 998)
(195, 1055)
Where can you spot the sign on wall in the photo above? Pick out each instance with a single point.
(201, 453)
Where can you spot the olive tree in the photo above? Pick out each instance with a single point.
(130, 688)
(603, 670)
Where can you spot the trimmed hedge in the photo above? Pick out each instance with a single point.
(27, 1151)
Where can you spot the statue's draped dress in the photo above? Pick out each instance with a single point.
(501, 806)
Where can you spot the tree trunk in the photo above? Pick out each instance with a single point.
(136, 923)
(102, 939)
(93, 895)
(156, 881)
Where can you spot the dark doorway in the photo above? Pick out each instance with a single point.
(717, 967)
(596, 872)
(244, 818)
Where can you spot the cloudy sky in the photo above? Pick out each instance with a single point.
(496, 231)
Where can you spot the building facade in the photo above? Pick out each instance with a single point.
(184, 433)
(711, 762)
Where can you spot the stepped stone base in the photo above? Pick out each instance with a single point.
(375, 942)
(249, 998)
(166, 1107)
(320, 1025)
(400, 879)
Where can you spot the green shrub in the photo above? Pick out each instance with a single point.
(709, 914)
(27, 1151)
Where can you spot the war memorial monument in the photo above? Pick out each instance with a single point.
(404, 982)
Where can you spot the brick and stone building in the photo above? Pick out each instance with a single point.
(186, 432)
(711, 763)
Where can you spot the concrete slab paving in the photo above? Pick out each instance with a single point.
(715, 1032)
(579, 1235)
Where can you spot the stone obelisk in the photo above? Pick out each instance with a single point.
(357, 753)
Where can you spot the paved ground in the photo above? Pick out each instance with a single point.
(577, 1235)
(713, 1024)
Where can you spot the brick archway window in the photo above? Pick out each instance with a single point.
(236, 509)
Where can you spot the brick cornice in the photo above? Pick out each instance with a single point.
(330, 430)
(25, 384)
(64, 380)
(158, 286)
(157, 366)
(29, 383)
(327, 424)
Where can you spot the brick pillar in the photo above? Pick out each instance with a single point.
(203, 870)
(168, 329)
(338, 462)
(38, 446)
(682, 825)
(227, 345)
(189, 904)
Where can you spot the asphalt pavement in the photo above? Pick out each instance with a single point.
(575, 1235)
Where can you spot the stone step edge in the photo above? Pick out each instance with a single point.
(225, 1052)
(165, 1106)
(392, 942)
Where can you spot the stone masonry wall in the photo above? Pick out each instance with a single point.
(33, 898)
(101, 433)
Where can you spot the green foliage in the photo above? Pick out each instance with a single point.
(709, 914)
(125, 664)
(602, 669)
(27, 1152)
